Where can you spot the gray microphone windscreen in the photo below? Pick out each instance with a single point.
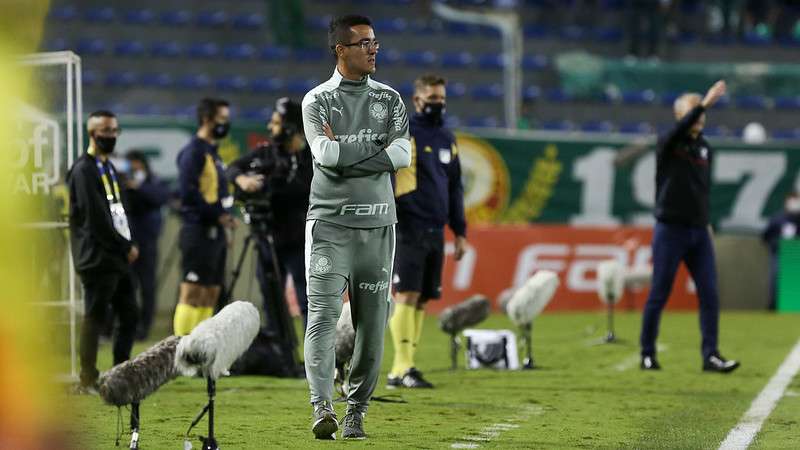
(133, 380)
(468, 313)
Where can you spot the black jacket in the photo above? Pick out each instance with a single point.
(288, 186)
(144, 208)
(683, 174)
(96, 245)
(781, 226)
(430, 193)
(199, 168)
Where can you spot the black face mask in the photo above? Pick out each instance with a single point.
(105, 145)
(434, 112)
(280, 138)
(221, 130)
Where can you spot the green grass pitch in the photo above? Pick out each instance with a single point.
(582, 395)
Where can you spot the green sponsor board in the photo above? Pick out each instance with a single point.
(789, 276)
(522, 177)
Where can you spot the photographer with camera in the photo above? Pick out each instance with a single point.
(274, 181)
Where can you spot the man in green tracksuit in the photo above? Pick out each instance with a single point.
(357, 129)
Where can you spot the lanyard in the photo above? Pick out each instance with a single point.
(107, 185)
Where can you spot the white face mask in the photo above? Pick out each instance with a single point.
(793, 205)
(139, 176)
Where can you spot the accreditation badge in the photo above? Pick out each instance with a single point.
(444, 155)
(120, 220)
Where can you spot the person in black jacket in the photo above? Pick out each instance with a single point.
(146, 194)
(102, 249)
(783, 225)
(682, 231)
(279, 172)
(429, 195)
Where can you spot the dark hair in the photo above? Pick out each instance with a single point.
(291, 114)
(429, 79)
(208, 107)
(102, 113)
(339, 29)
(138, 155)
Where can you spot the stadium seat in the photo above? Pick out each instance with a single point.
(260, 114)
(239, 52)
(100, 16)
(607, 34)
(314, 54)
(121, 79)
(231, 83)
(91, 46)
(405, 89)
(90, 77)
(129, 49)
(636, 128)
(203, 50)
(176, 18)
(148, 109)
(272, 53)
(531, 93)
(491, 61)
(457, 60)
(139, 17)
(65, 13)
(390, 25)
(535, 31)
(752, 102)
(646, 97)
(557, 95)
(716, 131)
(184, 112)
(390, 57)
(211, 19)
(457, 29)
(791, 134)
(248, 21)
(266, 85)
(597, 126)
(452, 121)
(487, 92)
(558, 125)
(534, 62)
(668, 98)
(456, 90)
(301, 87)
(168, 49)
(194, 81)
(573, 33)
(483, 122)
(318, 23)
(787, 102)
(56, 45)
(156, 80)
(417, 59)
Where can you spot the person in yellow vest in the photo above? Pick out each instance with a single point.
(203, 192)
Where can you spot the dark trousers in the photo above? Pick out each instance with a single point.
(672, 244)
(100, 291)
(144, 268)
(291, 261)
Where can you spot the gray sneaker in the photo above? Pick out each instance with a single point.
(325, 423)
(353, 425)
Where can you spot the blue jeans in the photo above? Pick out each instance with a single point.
(672, 244)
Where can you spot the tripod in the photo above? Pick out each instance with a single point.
(276, 308)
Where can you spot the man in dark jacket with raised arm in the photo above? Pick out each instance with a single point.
(682, 231)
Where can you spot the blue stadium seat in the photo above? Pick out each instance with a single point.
(176, 18)
(646, 97)
(416, 58)
(451, 121)
(139, 17)
(531, 93)
(248, 21)
(390, 25)
(597, 126)
(301, 87)
(457, 60)
(457, 29)
(90, 77)
(239, 52)
(261, 114)
(314, 54)
(456, 90)
(491, 61)
(405, 89)
(203, 50)
(390, 57)
(121, 79)
(156, 80)
(103, 16)
(534, 62)
(557, 95)
(266, 85)
(231, 83)
(791, 134)
(716, 131)
(487, 92)
(483, 122)
(167, 49)
(272, 53)
(756, 40)
(91, 46)
(668, 98)
(148, 109)
(558, 125)
(129, 48)
(608, 34)
(636, 128)
(194, 81)
(211, 19)
(787, 102)
(758, 102)
(573, 33)
(184, 112)
(535, 31)
(317, 23)
(56, 45)
(64, 13)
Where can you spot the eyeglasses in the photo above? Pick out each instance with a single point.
(365, 44)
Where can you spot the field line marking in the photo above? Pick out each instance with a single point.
(490, 432)
(742, 435)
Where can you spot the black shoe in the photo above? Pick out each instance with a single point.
(716, 363)
(353, 425)
(393, 382)
(325, 423)
(649, 363)
(413, 379)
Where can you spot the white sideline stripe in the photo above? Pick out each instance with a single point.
(742, 435)
(489, 432)
(633, 360)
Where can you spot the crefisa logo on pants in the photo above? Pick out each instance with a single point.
(374, 287)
